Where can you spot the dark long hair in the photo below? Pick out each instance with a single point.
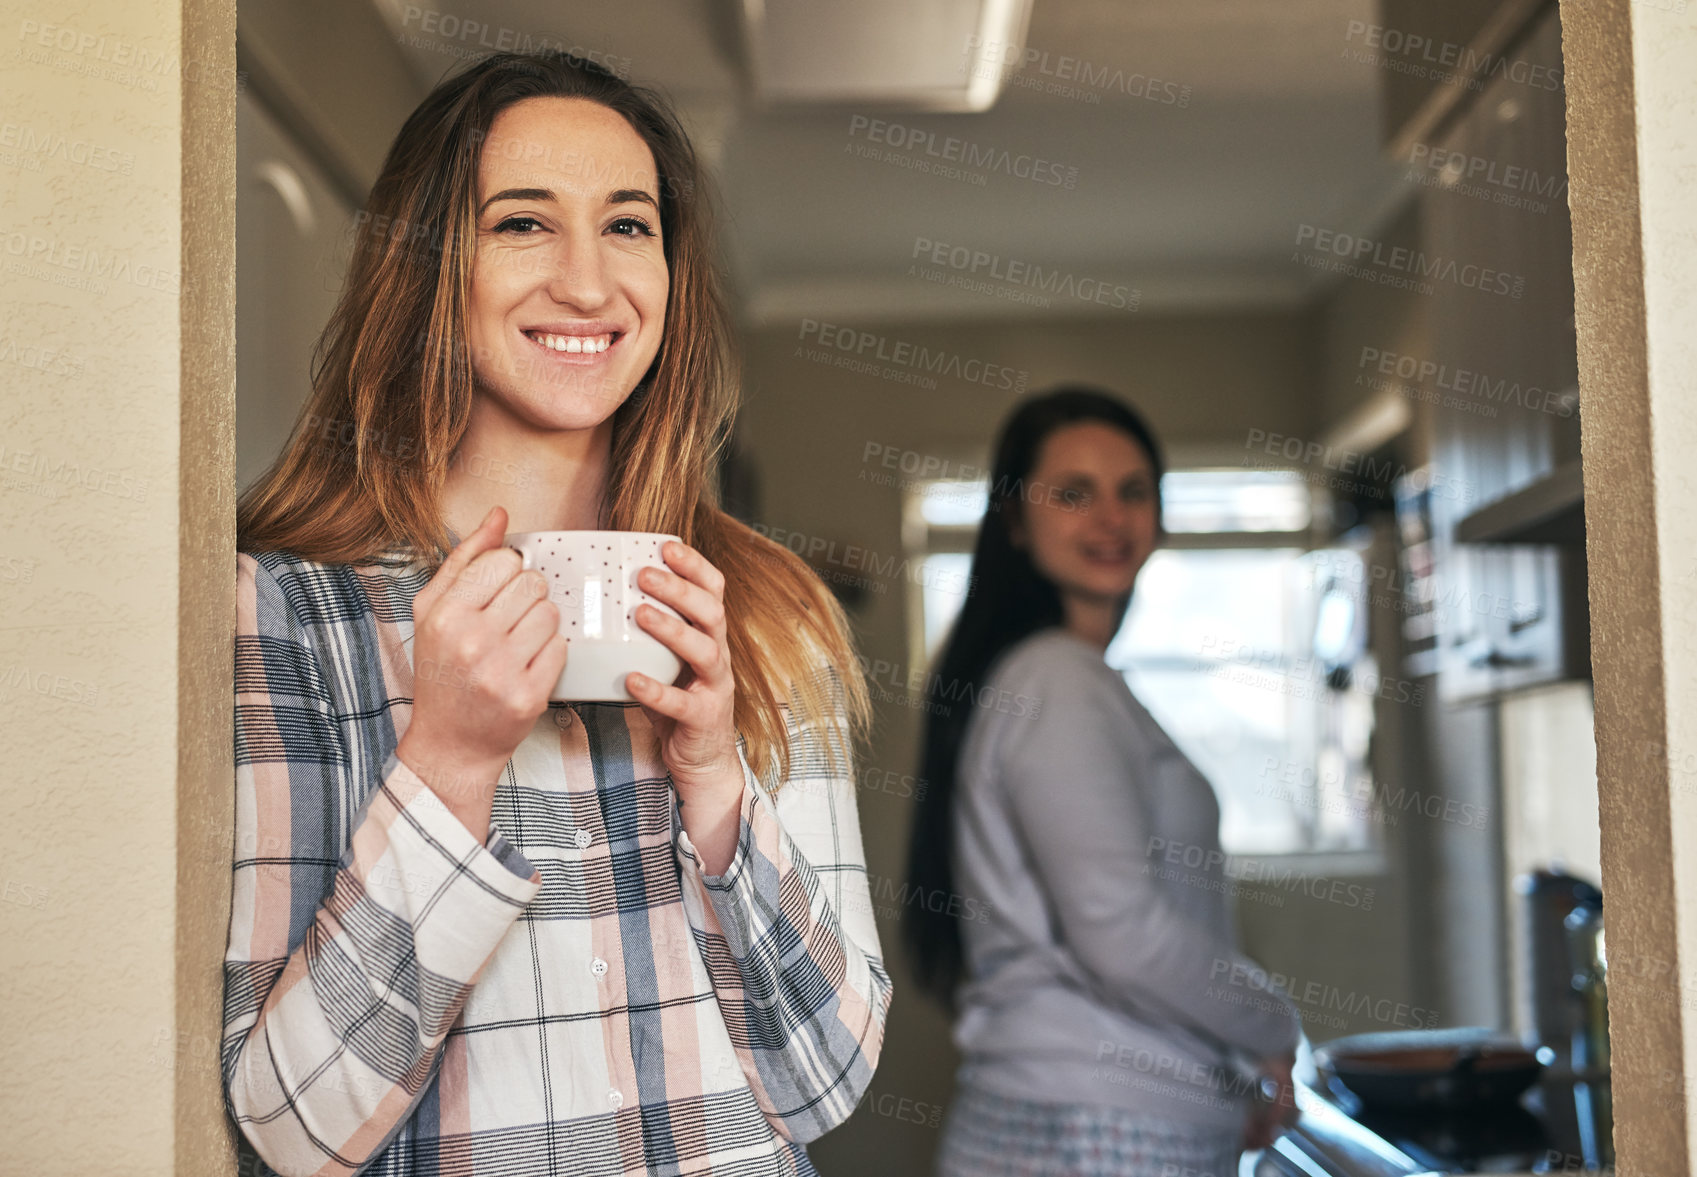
(1009, 601)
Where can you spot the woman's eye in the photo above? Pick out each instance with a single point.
(512, 225)
(1075, 498)
(632, 227)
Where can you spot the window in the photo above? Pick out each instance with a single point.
(1247, 647)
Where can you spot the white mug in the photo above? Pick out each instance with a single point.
(591, 577)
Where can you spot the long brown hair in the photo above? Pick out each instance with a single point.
(392, 386)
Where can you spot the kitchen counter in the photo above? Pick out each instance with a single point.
(1554, 1125)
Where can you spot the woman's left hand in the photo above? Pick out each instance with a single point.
(695, 719)
(1275, 1108)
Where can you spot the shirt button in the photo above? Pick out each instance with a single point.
(615, 1099)
(563, 718)
(598, 967)
(582, 839)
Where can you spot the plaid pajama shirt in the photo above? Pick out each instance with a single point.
(572, 995)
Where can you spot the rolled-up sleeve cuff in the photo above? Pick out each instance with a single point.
(495, 861)
(749, 806)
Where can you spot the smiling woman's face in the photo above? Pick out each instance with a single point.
(568, 290)
(1091, 516)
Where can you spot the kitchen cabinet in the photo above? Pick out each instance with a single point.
(1509, 610)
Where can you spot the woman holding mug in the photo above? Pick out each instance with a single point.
(1101, 1011)
(474, 931)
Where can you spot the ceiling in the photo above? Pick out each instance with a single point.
(1205, 134)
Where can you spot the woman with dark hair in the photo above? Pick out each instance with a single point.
(473, 931)
(1102, 1012)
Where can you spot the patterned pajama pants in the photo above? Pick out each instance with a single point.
(990, 1135)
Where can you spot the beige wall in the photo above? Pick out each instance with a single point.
(118, 582)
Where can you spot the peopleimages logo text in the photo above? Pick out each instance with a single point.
(1399, 259)
(965, 152)
(977, 263)
(866, 345)
(1466, 61)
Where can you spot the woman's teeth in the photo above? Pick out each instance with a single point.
(572, 343)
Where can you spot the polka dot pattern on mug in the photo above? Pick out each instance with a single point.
(653, 556)
(630, 552)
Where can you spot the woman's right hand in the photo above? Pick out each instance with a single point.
(486, 653)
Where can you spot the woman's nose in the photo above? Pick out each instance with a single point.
(1107, 512)
(576, 276)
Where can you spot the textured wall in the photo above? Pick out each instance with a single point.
(1632, 157)
(206, 606)
(115, 359)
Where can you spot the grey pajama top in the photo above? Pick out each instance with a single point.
(1102, 964)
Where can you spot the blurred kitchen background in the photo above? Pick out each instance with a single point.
(1324, 245)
